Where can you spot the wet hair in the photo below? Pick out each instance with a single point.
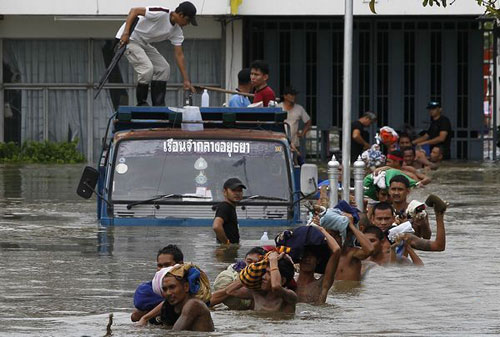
(439, 147)
(408, 149)
(400, 179)
(404, 135)
(260, 65)
(374, 230)
(172, 250)
(382, 206)
(396, 153)
(256, 250)
(244, 76)
(286, 269)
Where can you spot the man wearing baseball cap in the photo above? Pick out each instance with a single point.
(439, 132)
(225, 223)
(155, 24)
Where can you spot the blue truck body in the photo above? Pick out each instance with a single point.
(147, 152)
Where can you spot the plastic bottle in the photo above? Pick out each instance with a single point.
(264, 237)
(205, 99)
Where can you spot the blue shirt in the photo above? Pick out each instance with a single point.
(239, 101)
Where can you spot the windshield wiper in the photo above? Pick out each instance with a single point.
(262, 197)
(163, 196)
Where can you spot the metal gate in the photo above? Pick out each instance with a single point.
(399, 65)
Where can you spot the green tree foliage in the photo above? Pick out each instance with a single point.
(41, 152)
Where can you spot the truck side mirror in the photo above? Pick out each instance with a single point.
(88, 181)
(308, 179)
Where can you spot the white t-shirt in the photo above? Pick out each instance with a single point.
(293, 117)
(155, 26)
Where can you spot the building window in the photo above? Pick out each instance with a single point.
(462, 79)
(436, 38)
(364, 71)
(48, 85)
(337, 74)
(409, 78)
(382, 78)
(311, 68)
(284, 56)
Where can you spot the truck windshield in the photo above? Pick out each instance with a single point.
(147, 168)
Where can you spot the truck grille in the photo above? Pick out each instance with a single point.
(198, 212)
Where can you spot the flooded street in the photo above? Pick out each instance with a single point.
(60, 275)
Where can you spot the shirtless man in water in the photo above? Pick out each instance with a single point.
(384, 253)
(349, 268)
(272, 296)
(399, 189)
(310, 289)
(194, 314)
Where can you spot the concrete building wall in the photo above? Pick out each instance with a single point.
(54, 27)
(248, 7)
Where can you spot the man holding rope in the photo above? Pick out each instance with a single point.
(155, 24)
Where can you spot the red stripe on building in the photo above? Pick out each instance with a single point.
(159, 9)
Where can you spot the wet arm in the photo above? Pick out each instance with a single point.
(331, 266)
(424, 180)
(219, 230)
(288, 295)
(424, 227)
(151, 314)
(235, 289)
(366, 246)
(413, 256)
(190, 312)
(437, 245)
(422, 159)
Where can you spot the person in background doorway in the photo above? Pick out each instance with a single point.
(295, 114)
(259, 75)
(439, 132)
(244, 86)
(359, 136)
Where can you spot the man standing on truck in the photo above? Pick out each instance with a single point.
(225, 223)
(155, 24)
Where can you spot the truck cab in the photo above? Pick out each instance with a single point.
(157, 170)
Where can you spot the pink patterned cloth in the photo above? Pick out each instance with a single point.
(158, 280)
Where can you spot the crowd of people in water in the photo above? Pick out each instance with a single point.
(337, 244)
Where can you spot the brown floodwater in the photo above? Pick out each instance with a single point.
(61, 275)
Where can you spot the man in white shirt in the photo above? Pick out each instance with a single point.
(295, 113)
(155, 24)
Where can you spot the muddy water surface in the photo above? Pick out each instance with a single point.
(60, 275)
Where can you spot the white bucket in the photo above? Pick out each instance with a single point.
(191, 114)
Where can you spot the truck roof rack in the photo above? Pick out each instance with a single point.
(145, 117)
